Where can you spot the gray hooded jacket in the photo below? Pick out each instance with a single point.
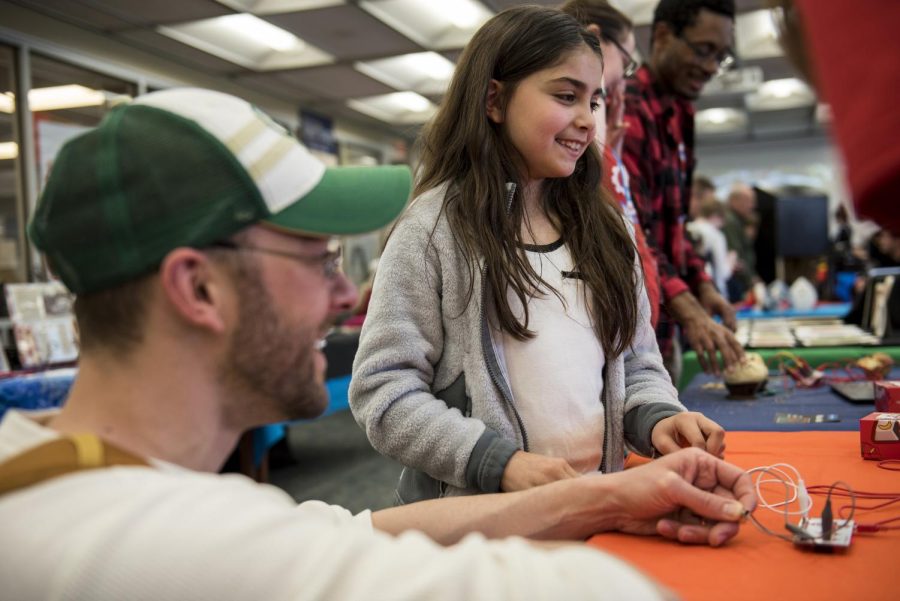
(429, 387)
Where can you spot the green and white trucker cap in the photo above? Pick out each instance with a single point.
(188, 167)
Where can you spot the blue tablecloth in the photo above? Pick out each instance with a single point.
(762, 413)
(48, 389)
(824, 311)
(42, 390)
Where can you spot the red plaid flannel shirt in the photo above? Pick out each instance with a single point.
(659, 155)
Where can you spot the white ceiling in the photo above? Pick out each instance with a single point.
(345, 53)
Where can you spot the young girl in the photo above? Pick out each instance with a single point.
(507, 342)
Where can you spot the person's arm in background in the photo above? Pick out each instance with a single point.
(712, 301)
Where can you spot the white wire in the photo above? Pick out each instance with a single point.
(791, 484)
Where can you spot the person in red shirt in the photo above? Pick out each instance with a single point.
(690, 41)
(825, 40)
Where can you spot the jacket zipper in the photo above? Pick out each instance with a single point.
(487, 345)
(492, 365)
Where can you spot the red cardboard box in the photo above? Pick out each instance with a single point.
(887, 396)
(879, 436)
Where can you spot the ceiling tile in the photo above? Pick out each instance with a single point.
(268, 7)
(346, 32)
(170, 49)
(332, 81)
(78, 13)
(272, 83)
(153, 13)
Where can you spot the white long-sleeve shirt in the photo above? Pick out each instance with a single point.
(712, 244)
(171, 533)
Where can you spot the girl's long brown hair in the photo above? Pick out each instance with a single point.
(464, 149)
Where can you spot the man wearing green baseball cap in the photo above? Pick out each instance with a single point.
(198, 238)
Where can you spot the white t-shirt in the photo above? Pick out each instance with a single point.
(557, 376)
(712, 243)
(140, 533)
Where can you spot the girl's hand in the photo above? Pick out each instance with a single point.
(688, 429)
(525, 470)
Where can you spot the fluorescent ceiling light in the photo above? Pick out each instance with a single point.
(56, 98)
(254, 28)
(435, 24)
(8, 150)
(717, 116)
(422, 72)
(782, 88)
(247, 41)
(462, 13)
(720, 120)
(271, 7)
(735, 81)
(777, 94)
(397, 108)
(410, 101)
(639, 11)
(755, 35)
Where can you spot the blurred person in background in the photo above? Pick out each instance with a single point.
(701, 190)
(691, 41)
(706, 229)
(740, 233)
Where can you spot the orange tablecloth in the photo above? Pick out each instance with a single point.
(755, 566)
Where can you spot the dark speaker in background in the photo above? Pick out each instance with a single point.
(766, 235)
(793, 224)
(802, 226)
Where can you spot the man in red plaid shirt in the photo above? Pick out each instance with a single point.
(691, 41)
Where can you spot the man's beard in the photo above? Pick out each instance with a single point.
(269, 369)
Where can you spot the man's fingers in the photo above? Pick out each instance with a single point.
(729, 318)
(729, 356)
(697, 534)
(699, 351)
(721, 532)
(729, 480)
(711, 359)
(705, 349)
(706, 504)
(732, 351)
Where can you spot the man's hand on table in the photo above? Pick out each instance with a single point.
(705, 335)
(688, 429)
(689, 496)
(716, 304)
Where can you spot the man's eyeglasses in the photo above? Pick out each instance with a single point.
(704, 51)
(630, 65)
(329, 261)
